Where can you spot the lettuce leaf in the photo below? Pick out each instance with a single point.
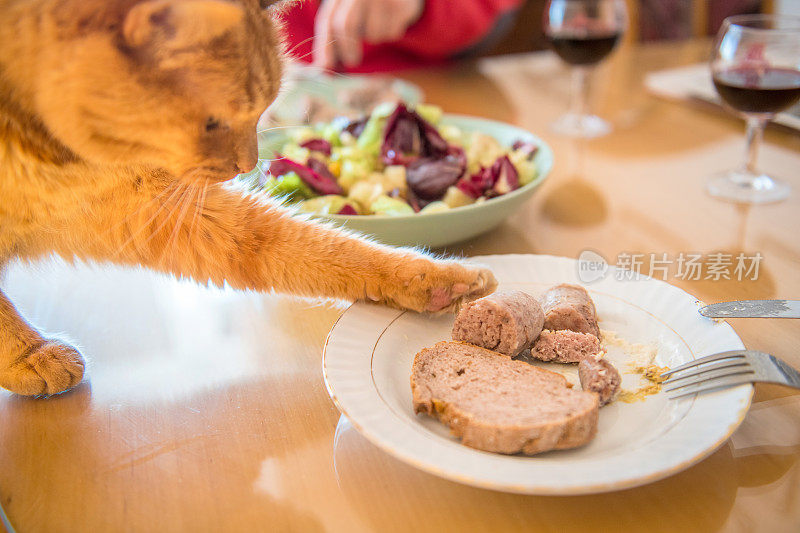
(289, 186)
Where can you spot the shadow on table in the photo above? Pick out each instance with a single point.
(697, 499)
(575, 202)
(757, 281)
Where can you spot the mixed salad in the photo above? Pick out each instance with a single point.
(396, 161)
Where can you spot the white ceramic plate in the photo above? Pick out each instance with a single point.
(367, 365)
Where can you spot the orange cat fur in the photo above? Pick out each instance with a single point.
(119, 122)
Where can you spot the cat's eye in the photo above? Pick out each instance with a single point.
(212, 124)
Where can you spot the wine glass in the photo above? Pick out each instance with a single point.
(756, 70)
(582, 33)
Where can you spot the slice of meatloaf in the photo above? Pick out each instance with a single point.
(494, 403)
(600, 376)
(507, 322)
(569, 307)
(564, 346)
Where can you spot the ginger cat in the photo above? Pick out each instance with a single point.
(119, 122)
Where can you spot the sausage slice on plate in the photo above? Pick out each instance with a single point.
(507, 322)
(564, 346)
(569, 307)
(600, 376)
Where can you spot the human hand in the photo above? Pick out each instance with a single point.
(342, 25)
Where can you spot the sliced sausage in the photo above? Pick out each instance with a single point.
(507, 322)
(569, 307)
(564, 346)
(600, 376)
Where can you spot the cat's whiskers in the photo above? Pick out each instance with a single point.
(183, 204)
(143, 206)
(198, 208)
(263, 172)
(290, 51)
(179, 190)
(302, 57)
(327, 70)
(176, 187)
(169, 216)
(271, 128)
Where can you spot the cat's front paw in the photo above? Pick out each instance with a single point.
(48, 369)
(439, 286)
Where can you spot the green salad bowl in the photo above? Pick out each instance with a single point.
(437, 229)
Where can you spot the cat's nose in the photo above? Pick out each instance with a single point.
(247, 157)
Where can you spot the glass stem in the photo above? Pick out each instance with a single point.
(755, 132)
(580, 90)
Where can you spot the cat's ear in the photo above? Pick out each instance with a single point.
(179, 24)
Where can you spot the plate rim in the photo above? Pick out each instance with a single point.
(596, 488)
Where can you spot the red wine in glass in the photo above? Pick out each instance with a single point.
(758, 90)
(756, 71)
(582, 33)
(582, 48)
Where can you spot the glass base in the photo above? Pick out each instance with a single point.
(583, 126)
(746, 187)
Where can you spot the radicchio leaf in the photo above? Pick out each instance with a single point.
(476, 185)
(528, 148)
(356, 127)
(413, 201)
(430, 178)
(408, 137)
(314, 174)
(506, 177)
(496, 180)
(318, 145)
(347, 210)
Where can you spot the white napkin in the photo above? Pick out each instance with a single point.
(694, 81)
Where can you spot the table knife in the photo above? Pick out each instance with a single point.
(753, 309)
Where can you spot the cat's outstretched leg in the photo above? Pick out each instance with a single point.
(31, 365)
(266, 248)
(253, 244)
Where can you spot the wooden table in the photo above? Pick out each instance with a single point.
(206, 410)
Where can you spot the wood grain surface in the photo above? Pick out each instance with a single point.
(205, 410)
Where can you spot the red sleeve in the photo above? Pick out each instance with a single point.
(297, 22)
(447, 27)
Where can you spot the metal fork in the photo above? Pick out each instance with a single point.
(726, 369)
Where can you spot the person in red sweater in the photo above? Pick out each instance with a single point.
(383, 35)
